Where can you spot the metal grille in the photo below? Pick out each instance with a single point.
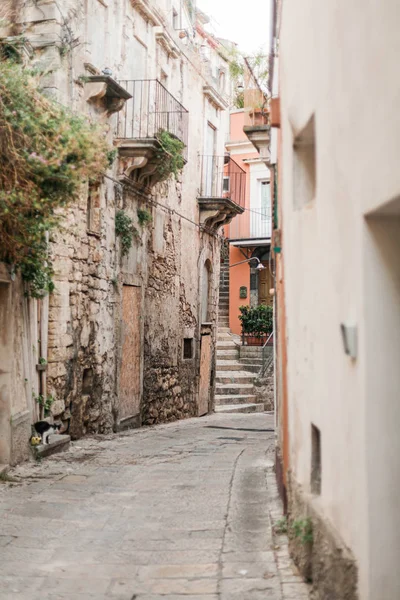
(222, 177)
(151, 109)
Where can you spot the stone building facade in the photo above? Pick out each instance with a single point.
(129, 338)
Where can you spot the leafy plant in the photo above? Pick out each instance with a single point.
(280, 526)
(257, 320)
(170, 154)
(144, 216)
(125, 229)
(6, 478)
(303, 530)
(42, 361)
(45, 403)
(46, 154)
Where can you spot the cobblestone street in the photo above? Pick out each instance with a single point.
(180, 511)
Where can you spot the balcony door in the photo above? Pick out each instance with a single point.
(261, 207)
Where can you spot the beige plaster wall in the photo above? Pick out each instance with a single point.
(339, 62)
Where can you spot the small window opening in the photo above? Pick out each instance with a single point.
(87, 382)
(315, 460)
(222, 80)
(175, 19)
(226, 184)
(188, 348)
(305, 176)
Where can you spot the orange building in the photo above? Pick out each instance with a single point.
(249, 234)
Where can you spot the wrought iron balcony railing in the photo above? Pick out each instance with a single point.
(222, 177)
(151, 109)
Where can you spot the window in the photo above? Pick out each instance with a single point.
(94, 209)
(304, 175)
(222, 80)
(188, 352)
(226, 184)
(265, 200)
(315, 460)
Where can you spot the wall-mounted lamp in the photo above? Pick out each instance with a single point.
(259, 266)
(349, 337)
(240, 87)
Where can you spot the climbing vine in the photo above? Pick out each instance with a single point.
(125, 230)
(46, 154)
(170, 155)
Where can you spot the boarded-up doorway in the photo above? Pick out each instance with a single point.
(130, 376)
(6, 355)
(205, 369)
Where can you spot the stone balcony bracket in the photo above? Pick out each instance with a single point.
(215, 98)
(166, 42)
(105, 93)
(138, 163)
(149, 15)
(259, 136)
(216, 212)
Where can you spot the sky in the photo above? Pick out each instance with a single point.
(246, 23)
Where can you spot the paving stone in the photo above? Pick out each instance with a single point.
(177, 511)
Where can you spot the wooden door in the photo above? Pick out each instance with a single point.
(6, 355)
(130, 379)
(205, 374)
(264, 285)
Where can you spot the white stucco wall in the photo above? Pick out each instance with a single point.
(339, 62)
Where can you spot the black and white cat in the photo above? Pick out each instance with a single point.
(45, 429)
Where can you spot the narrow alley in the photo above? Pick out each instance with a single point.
(182, 510)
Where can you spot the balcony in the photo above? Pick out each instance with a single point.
(256, 122)
(251, 229)
(150, 110)
(222, 192)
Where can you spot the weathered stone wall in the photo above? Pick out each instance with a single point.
(324, 561)
(81, 371)
(71, 40)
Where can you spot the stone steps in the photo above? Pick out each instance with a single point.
(225, 354)
(224, 336)
(242, 408)
(235, 365)
(223, 400)
(226, 344)
(234, 377)
(234, 389)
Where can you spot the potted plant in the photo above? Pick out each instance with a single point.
(257, 324)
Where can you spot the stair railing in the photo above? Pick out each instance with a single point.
(267, 357)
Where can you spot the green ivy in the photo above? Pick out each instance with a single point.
(125, 230)
(46, 155)
(144, 217)
(170, 155)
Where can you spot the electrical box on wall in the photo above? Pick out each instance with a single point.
(243, 292)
